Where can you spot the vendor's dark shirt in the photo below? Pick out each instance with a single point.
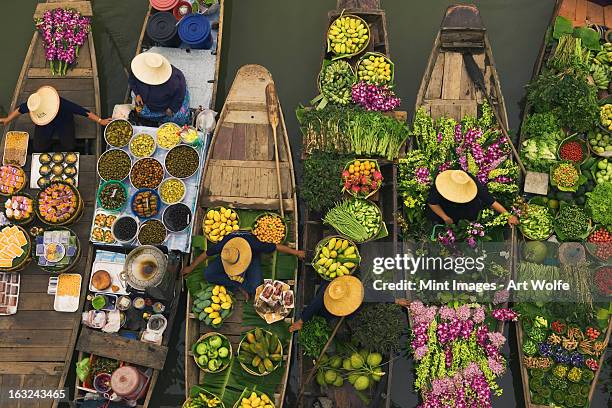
(158, 98)
(468, 211)
(66, 113)
(257, 247)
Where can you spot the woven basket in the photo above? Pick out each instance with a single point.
(246, 392)
(323, 242)
(72, 264)
(25, 221)
(371, 193)
(585, 147)
(25, 182)
(359, 51)
(204, 219)
(204, 337)
(251, 371)
(208, 394)
(271, 214)
(21, 262)
(78, 213)
(376, 54)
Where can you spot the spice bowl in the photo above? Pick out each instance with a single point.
(152, 227)
(118, 133)
(166, 189)
(142, 145)
(126, 223)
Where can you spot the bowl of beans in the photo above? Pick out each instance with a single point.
(125, 229)
(147, 173)
(146, 203)
(152, 232)
(172, 190)
(177, 217)
(118, 133)
(142, 145)
(114, 164)
(168, 135)
(182, 161)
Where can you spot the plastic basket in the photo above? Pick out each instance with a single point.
(120, 185)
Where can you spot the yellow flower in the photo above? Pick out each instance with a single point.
(410, 202)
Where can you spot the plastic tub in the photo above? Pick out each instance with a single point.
(162, 29)
(163, 5)
(183, 8)
(195, 32)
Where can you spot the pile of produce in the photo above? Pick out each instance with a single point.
(12, 179)
(172, 190)
(361, 178)
(182, 161)
(213, 304)
(313, 336)
(375, 97)
(536, 222)
(334, 257)
(602, 171)
(572, 223)
(457, 358)
(601, 240)
(336, 81)
(600, 141)
(147, 173)
(58, 203)
(573, 150)
(351, 131)
(212, 353)
(599, 204)
(361, 368)
(118, 133)
(168, 135)
(152, 232)
(251, 399)
(112, 196)
(566, 176)
(605, 116)
(142, 145)
(260, 352)
(270, 228)
(114, 164)
(375, 68)
(357, 219)
(603, 280)
(347, 35)
(379, 325)
(204, 400)
(125, 229)
(601, 66)
(19, 209)
(318, 190)
(145, 203)
(219, 222)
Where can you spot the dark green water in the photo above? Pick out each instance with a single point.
(286, 36)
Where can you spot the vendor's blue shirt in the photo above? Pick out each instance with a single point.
(257, 247)
(66, 113)
(158, 98)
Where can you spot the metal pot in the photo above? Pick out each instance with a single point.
(129, 383)
(145, 267)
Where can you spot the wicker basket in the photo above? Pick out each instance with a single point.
(324, 241)
(21, 262)
(371, 193)
(584, 145)
(204, 220)
(78, 213)
(359, 51)
(204, 337)
(246, 392)
(271, 214)
(25, 221)
(25, 182)
(64, 268)
(251, 371)
(376, 54)
(208, 394)
(565, 189)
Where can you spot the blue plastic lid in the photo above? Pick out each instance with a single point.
(194, 29)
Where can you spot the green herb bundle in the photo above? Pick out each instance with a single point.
(314, 335)
(599, 204)
(378, 327)
(321, 187)
(356, 219)
(572, 223)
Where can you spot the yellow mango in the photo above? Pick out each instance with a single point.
(216, 320)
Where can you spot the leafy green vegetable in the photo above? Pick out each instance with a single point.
(599, 204)
(545, 124)
(321, 184)
(589, 37)
(378, 327)
(539, 153)
(571, 223)
(314, 335)
(562, 26)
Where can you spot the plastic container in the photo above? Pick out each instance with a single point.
(195, 32)
(163, 5)
(183, 8)
(162, 29)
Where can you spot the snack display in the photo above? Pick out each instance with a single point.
(101, 229)
(12, 179)
(9, 293)
(172, 190)
(14, 247)
(219, 222)
(68, 293)
(57, 203)
(146, 203)
(112, 196)
(19, 209)
(270, 228)
(182, 161)
(118, 133)
(114, 164)
(16, 148)
(142, 145)
(56, 249)
(168, 135)
(106, 278)
(274, 300)
(48, 167)
(147, 173)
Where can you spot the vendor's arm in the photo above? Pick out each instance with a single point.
(290, 251)
(188, 269)
(76, 109)
(512, 220)
(12, 116)
(439, 211)
(313, 308)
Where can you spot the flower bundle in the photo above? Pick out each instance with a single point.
(63, 32)
(373, 97)
(457, 357)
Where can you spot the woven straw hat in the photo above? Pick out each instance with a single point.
(343, 295)
(236, 256)
(456, 186)
(151, 68)
(44, 105)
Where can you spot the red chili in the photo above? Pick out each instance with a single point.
(571, 151)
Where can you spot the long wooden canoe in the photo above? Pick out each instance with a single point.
(199, 66)
(240, 173)
(314, 230)
(36, 344)
(582, 13)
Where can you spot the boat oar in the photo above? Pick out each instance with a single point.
(273, 117)
(477, 77)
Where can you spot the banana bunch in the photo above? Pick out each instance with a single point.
(260, 350)
(255, 400)
(213, 304)
(336, 82)
(220, 222)
(337, 257)
(347, 35)
(203, 401)
(604, 56)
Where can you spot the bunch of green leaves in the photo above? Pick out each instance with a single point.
(599, 204)
(570, 97)
(313, 336)
(378, 327)
(544, 124)
(321, 182)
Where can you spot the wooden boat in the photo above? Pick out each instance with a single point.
(240, 173)
(582, 13)
(314, 230)
(145, 355)
(36, 344)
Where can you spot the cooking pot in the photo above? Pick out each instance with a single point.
(145, 267)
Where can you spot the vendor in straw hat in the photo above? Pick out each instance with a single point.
(457, 195)
(237, 265)
(52, 115)
(160, 91)
(339, 298)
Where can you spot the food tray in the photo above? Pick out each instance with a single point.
(35, 171)
(9, 293)
(114, 269)
(17, 156)
(97, 224)
(67, 304)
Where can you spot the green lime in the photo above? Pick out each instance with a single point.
(554, 204)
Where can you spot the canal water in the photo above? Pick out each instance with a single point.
(286, 36)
